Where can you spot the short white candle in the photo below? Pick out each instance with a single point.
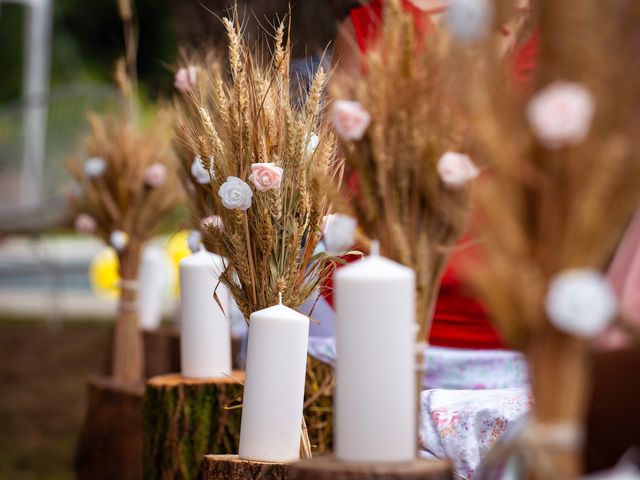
(375, 403)
(154, 283)
(205, 343)
(274, 385)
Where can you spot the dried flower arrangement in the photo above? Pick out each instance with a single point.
(127, 186)
(561, 187)
(400, 137)
(261, 154)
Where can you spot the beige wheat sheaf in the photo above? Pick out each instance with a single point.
(244, 116)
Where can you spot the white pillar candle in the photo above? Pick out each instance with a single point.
(205, 344)
(375, 403)
(274, 385)
(154, 280)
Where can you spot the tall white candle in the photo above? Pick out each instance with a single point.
(205, 344)
(154, 283)
(274, 385)
(375, 403)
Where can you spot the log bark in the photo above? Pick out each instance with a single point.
(230, 467)
(185, 419)
(327, 468)
(110, 444)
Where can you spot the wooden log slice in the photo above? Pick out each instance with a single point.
(230, 467)
(185, 419)
(327, 468)
(110, 443)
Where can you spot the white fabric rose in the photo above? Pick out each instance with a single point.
(312, 144)
(235, 193)
(155, 175)
(339, 233)
(266, 176)
(186, 78)
(560, 114)
(119, 240)
(95, 167)
(469, 20)
(456, 169)
(201, 174)
(194, 240)
(85, 223)
(350, 120)
(580, 302)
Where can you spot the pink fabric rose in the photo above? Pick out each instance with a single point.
(155, 175)
(560, 115)
(350, 120)
(266, 176)
(85, 223)
(456, 169)
(186, 78)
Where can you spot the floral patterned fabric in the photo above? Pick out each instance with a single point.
(464, 424)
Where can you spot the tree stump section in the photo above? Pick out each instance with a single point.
(110, 444)
(230, 467)
(327, 468)
(185, 419)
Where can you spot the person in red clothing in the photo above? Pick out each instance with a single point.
(464, 349)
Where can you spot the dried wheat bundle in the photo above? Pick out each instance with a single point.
(400, 141)
(128, 185)
(562, 185)
(261, 154)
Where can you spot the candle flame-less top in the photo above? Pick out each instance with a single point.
(279, 311)
(375, 267)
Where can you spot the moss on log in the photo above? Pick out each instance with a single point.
(185, 419)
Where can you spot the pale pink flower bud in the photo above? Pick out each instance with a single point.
(85, 224)
(155, 175)
(456, 169)
(350, 120)
(186, 78)
(266, 176)
(560, 115)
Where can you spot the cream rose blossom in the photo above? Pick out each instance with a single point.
(198, 171)
(235, 193)
(339, 233)
(456, 169)
(469, 20)
(119, 240)
(155, 175)
(350, 120)
(266, 176)
(186, 78)
(85, 224)
(580, 302)
(560, 114)
(312, 144)
(95, 167)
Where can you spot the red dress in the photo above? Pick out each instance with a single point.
(459, 320)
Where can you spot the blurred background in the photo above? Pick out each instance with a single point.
(57, 288)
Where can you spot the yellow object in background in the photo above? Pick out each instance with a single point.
(177, 248)
(103, 273)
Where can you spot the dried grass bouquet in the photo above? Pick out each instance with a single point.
(128, 184)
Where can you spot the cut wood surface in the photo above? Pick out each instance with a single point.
(327, 468)
(187, 418)
(110, 443)
(230, 467)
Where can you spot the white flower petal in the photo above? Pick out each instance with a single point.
(469, 20)
(339, 233)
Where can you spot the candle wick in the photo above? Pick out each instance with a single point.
(375, 248)
(280, 298)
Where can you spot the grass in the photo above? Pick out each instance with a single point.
(42, 393)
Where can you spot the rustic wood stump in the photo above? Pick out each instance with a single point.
(185, 419)
(161, 350)
(110, 443)
(230, 467)
(327, 468)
